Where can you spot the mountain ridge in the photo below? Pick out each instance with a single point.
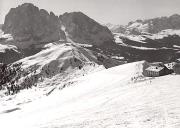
(152, 25)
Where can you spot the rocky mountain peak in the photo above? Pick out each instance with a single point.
(28, 22)
(83, 29)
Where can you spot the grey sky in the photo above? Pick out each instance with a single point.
(103, 11)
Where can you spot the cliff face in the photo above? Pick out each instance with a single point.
(27, 22)
(82, 29)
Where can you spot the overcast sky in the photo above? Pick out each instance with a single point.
(103, 11)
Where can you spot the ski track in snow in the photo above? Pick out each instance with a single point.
(104, 99)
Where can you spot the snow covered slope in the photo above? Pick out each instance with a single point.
(62, 55)
(56, 60)
(3, 48)
(118, 97)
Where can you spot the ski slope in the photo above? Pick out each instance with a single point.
(118, 97)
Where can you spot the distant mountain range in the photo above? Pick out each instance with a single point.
(152, 26)
(156, 39)
(116, 28)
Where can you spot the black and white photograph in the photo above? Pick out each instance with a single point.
(89, 63)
